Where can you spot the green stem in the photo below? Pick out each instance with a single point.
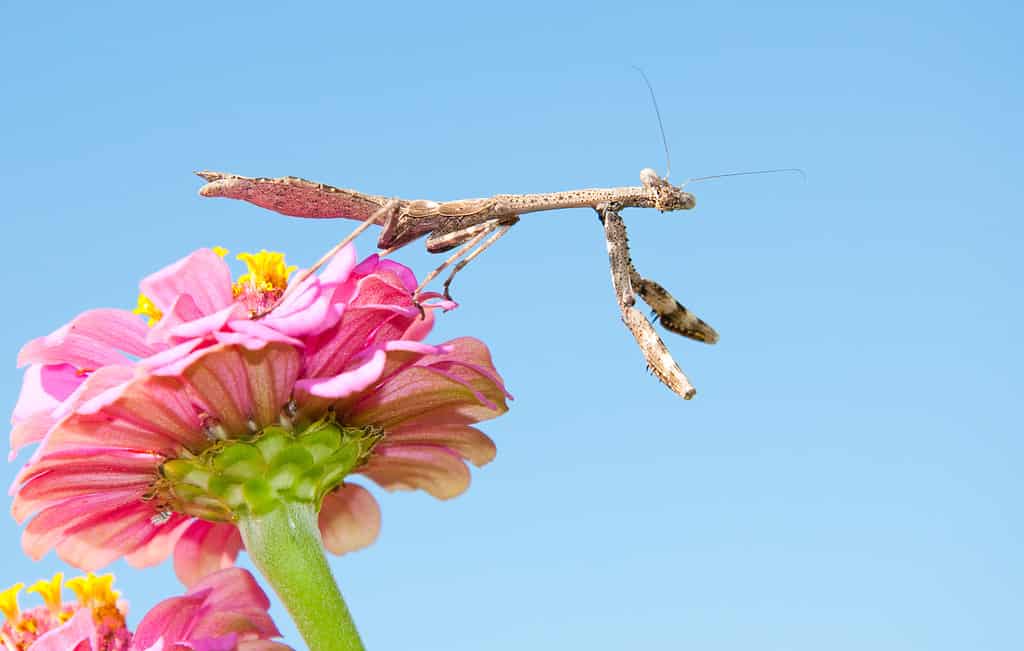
(285, 547)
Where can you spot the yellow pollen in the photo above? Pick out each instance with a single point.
(93, 591)
(146, 308)
(221, 251)
(267, 272)
(9, 602)
(50, 591)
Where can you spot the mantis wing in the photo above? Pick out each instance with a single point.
(290, 195)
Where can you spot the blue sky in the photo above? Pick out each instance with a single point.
(848, 476)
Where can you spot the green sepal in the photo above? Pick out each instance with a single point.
(234, 478)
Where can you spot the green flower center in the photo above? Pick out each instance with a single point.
(253, 477)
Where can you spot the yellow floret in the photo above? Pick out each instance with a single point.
(50, 591)
(9, 602)
(267, 272)
(145, 307)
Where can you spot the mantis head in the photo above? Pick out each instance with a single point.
(666, 196)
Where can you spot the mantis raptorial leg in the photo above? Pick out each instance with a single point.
(628, 283)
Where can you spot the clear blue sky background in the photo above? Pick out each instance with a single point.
(848, 477)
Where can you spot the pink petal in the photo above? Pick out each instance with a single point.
(436, 470)
(349, 519)
(170, 621)
(90, 340)
(200, 327)
(162, 543)
(204, 548)
(262, 332)
(458, 387)
(347, 383)
(235, 604)
(77, 472)
(183, 310)
(388, 269)
(262, 645)
(468, 442)
(101, 387)
(102, 538)
(50, 525)
(203, 275)
(167, 362)
(379, 313)
(226, 603)
(44, 387)
(28, 431)
(235, 384)
(149, 412)
(67, 637)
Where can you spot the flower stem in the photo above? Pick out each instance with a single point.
(285, 547)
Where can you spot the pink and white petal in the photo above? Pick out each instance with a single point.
(92, 339)
(183, 310)
(468, 442)
(349, 519)
(99, 388)
(204, 325)
(203, 275)
(43, 388)
(308, 310)
(28, 431)
(436, 470)
(339, 268)
(261, 332)
(204, 548)
(345, 384)
(168, 362)
(78, 633)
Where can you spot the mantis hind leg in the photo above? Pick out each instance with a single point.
(468, 238)
(501, 230)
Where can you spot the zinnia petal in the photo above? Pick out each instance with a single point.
(205, 548)
(349, 519)
(203, 276)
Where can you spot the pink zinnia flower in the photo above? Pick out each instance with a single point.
(154, 440)
(226, 611)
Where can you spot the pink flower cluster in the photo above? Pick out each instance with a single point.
(226, 611)
(109, 399)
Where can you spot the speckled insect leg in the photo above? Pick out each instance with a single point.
(469, 258)
(659, 359)
(474, 238)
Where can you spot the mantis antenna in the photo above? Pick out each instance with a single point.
(797, 170)
(661, 126)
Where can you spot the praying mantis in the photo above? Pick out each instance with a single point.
(464, 224)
